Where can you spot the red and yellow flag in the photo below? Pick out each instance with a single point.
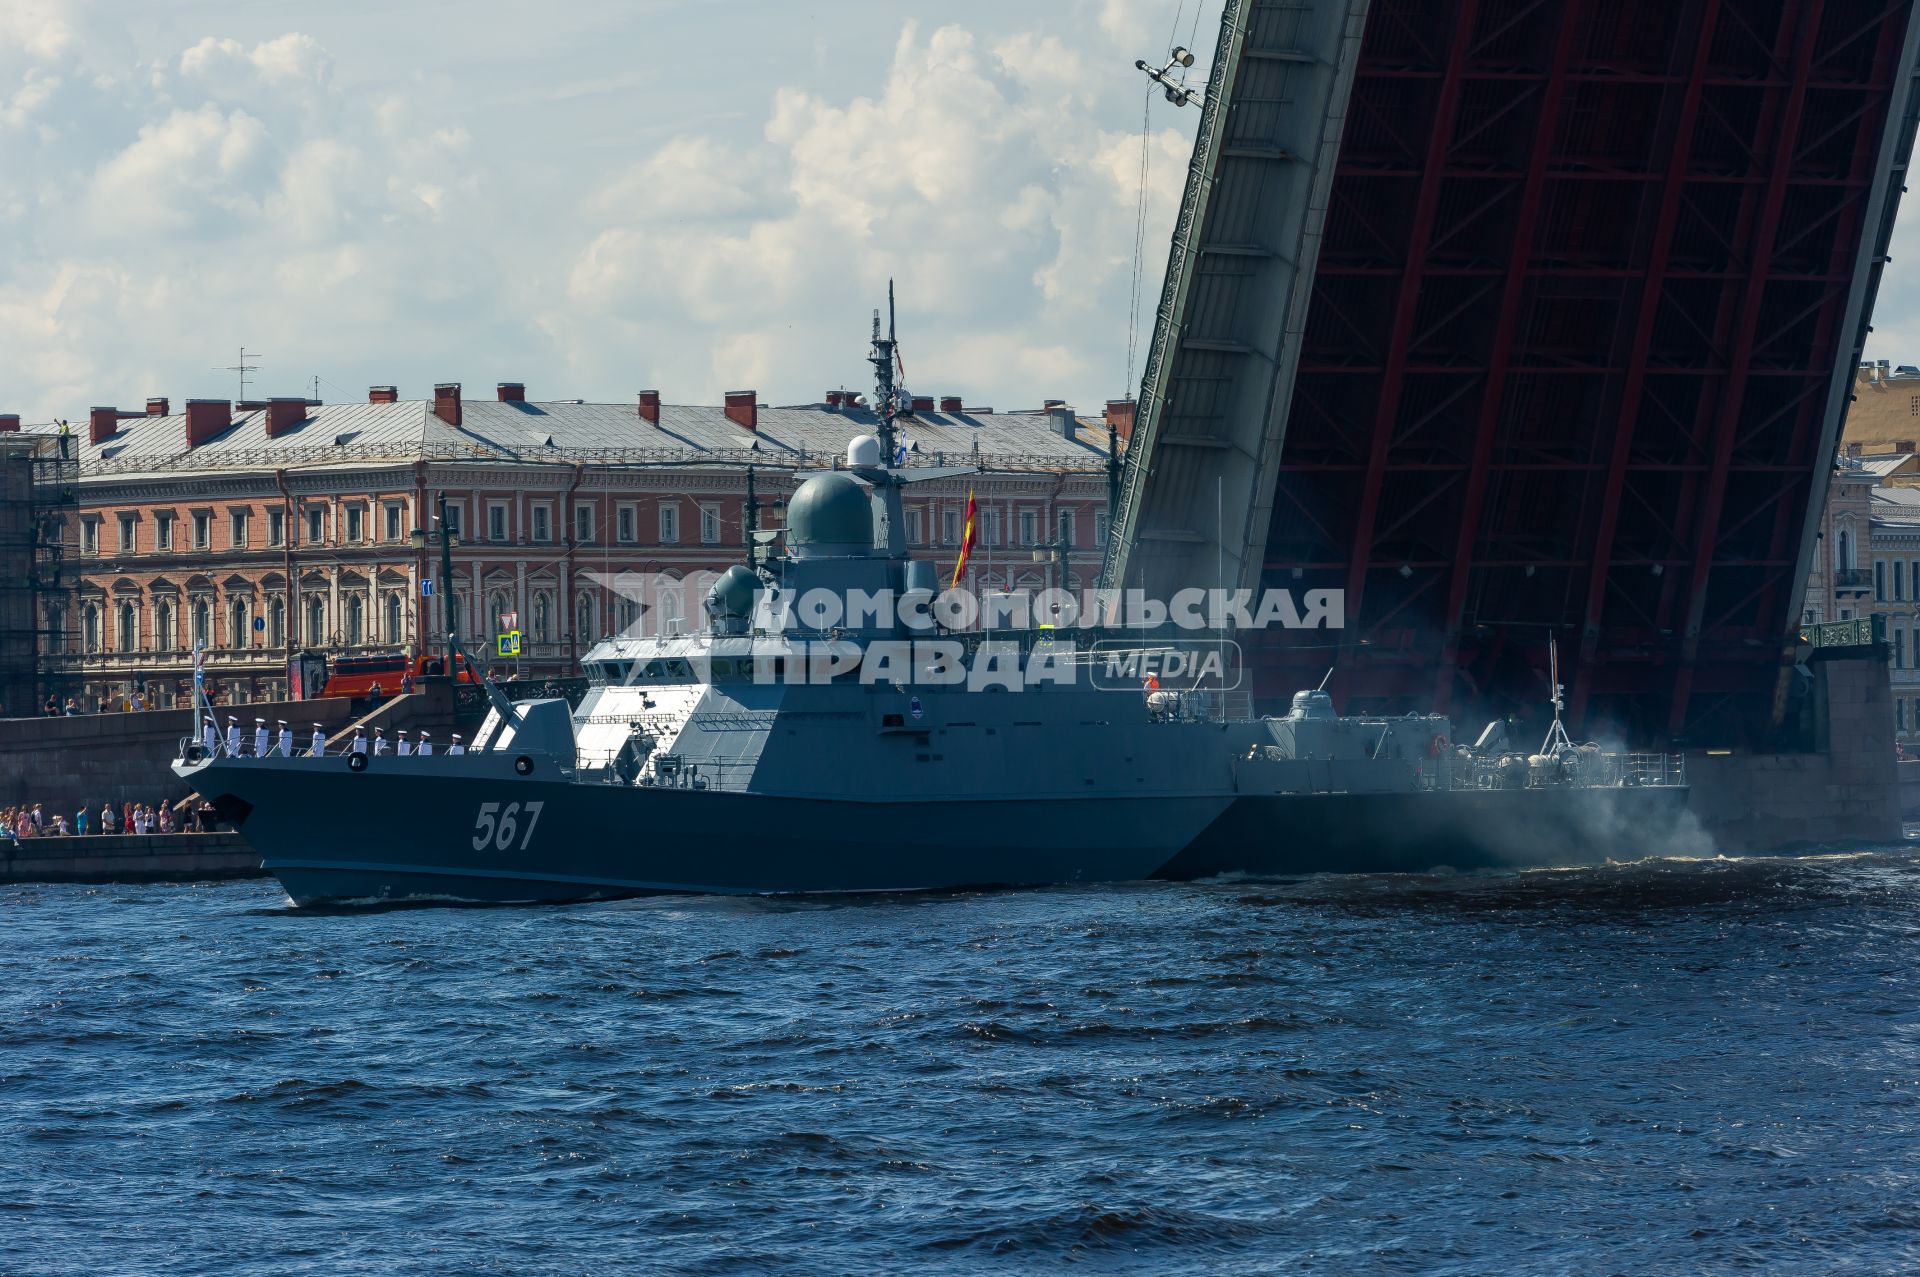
(966, 543)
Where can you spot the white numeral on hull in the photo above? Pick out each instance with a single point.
(496, 827)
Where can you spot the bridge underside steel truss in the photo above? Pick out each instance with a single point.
(1593, 282)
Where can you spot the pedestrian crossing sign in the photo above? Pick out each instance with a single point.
(509, 643)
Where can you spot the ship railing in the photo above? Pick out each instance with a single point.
(670, 771)
(1584, 769)
(1199, 706)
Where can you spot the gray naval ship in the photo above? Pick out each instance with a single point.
(768, 755)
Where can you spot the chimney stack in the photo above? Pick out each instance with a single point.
(923, 403)
(9, 423)
(446, 402)
(951, 403)
(207, 418)
(101, 423)
(650, 406)
(158, 406)
(743, 408)
(283, 415)
(1060, 417)
(511, 392)
(383, 394)
(1120, 415)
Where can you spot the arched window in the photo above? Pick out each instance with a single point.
(356, 620)
(129, 628)
(316, 621)
(583, 619)
(90, 627)
(670, 616)
(497, 609)
(1843, 550)
(163, 626)
(237, 622)
(542, 618)
(626, 615)
(202, 623)
(277, 623)
(393, 618)
(57, 627)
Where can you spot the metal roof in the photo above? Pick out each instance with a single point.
(528, 432)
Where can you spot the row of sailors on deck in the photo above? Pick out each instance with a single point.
(284, 746)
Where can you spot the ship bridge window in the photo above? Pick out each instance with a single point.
(655, 672)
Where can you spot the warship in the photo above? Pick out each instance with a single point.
(772, 752)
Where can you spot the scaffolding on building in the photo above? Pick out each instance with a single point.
(39, 478)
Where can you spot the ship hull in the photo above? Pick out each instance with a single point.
(434, 832)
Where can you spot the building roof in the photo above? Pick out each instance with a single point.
(1896, 506)
(524, 432)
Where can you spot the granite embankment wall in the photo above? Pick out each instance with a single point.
(1846, 792)
(129, 858)
(121, 758)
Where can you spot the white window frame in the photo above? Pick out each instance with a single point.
(583, 522)
(355, 523)
(537, 513)
(627, 524)
(395, 517)
(669, 519)
(709, 523)
(237, 521)
(276, 528)
(129, 533)
(90, 536)
(499, 526)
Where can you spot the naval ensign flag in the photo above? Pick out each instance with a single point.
(966, 544)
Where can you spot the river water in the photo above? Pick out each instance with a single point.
(1669, 1067)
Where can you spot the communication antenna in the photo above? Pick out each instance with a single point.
(1557, 734)
(1176, 89)
(243, 368)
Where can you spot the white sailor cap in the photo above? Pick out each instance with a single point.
(379, 731)
(259, 720)
(232, 719)
(456, 735)
(424, 732)
(281, 721)
(319, 724)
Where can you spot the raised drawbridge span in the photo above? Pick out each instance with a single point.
(1516, 319)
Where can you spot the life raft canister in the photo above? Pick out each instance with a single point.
(1436, 747)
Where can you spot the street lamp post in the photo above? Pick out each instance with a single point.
(448, 539)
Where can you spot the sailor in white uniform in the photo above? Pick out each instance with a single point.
(209, 735)
(233, 736)
(426, 744)
(359, 741)
(284, 746)
(406, 746)
(379, 740)
(456, 748)
(259, 738)
(319, 741)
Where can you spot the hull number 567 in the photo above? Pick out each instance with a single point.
(497, 828)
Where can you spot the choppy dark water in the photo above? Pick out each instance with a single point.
(1673, 1067)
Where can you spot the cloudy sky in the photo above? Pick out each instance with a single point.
(592, 197)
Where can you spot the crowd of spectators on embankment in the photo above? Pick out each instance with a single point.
(28, 821)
